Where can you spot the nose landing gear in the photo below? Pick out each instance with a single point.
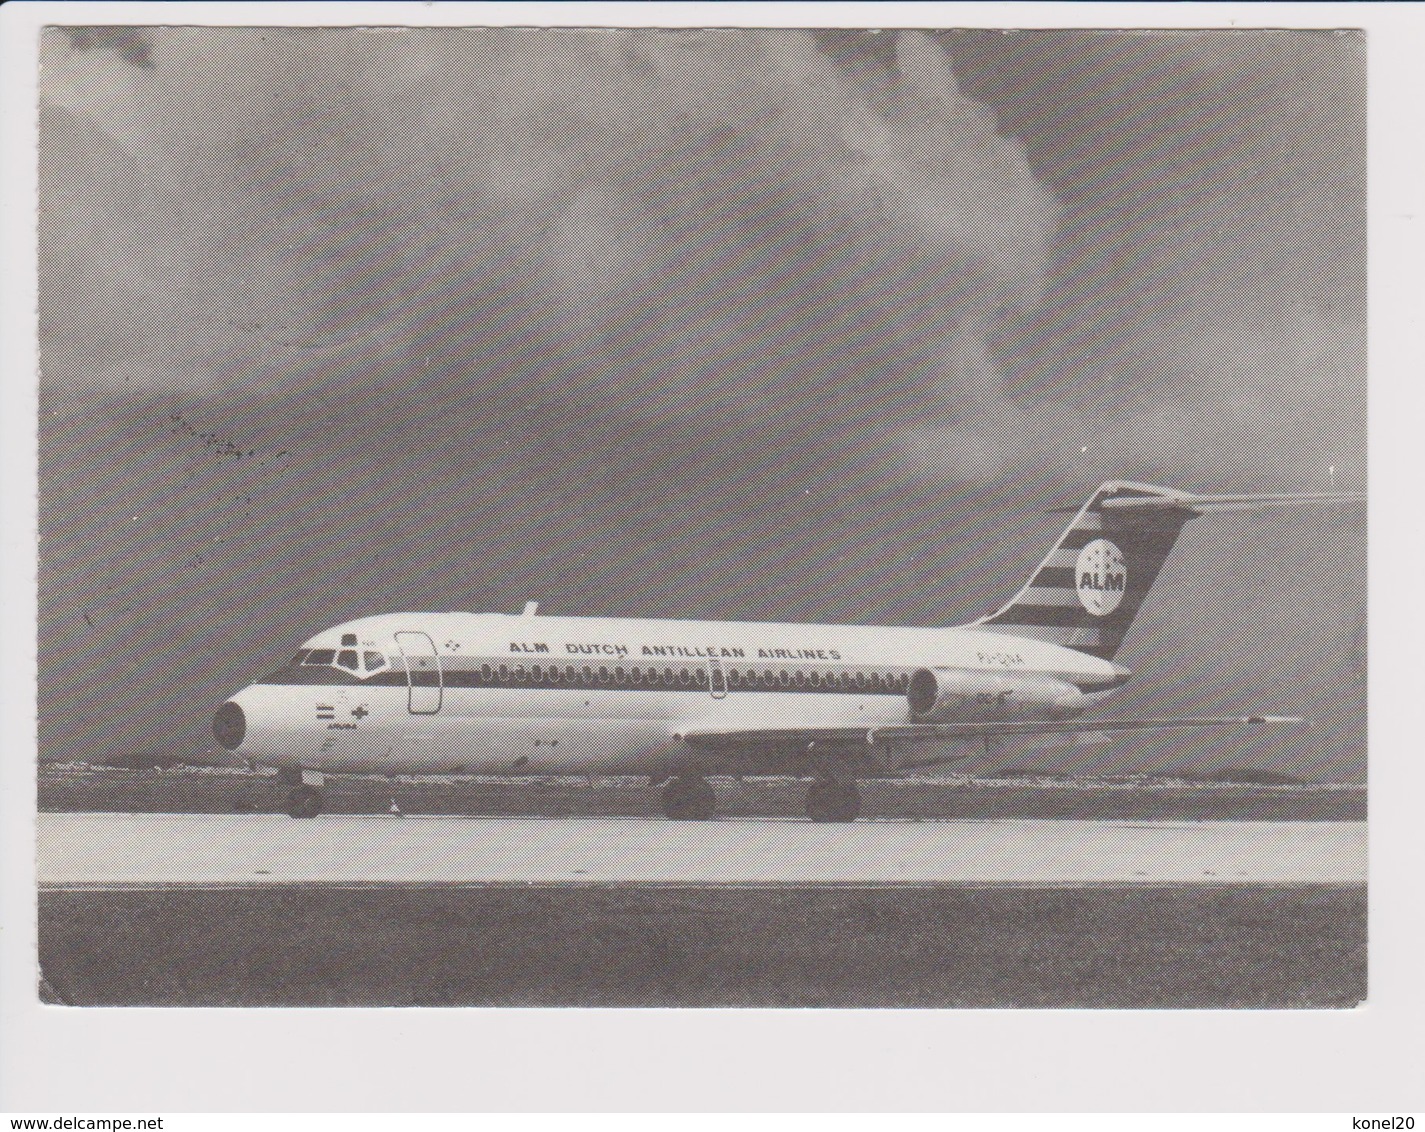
(833, 801)
(689, 798)
(305, 799)
(304, 802)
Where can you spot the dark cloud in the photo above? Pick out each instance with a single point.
(703, 224)
(132, 45)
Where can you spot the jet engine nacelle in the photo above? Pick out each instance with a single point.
(958, 695)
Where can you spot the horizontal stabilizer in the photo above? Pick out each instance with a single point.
(1215, 504)
(807, 738)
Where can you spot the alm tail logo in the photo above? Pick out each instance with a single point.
(1102, 577)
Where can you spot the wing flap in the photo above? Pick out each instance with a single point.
(780, 738)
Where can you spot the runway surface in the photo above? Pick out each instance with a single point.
(159, 850)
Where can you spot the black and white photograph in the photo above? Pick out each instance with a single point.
(719, 517)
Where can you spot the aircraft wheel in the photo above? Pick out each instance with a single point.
(833, 802)
(304, 802)
(689, 799)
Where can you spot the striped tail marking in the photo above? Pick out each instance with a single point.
(1085, 594)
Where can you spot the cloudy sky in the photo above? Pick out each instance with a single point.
(735, 324)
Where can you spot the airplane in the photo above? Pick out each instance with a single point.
(680, 701)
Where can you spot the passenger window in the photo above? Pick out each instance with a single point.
(320, 656)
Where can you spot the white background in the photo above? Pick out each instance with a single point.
(1367, 1060)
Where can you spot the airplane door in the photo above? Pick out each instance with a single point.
(717, 679)
(423, 673)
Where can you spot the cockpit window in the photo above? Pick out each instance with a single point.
(356, 661)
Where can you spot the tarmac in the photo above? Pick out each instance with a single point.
(151, 851)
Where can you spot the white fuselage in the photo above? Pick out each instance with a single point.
(496, 694)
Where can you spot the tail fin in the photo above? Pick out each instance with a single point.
(1086, 592)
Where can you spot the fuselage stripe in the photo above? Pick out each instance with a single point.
(501, 672)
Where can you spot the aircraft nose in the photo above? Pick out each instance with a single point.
(230, 726)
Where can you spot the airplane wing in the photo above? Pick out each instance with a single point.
(808, 738)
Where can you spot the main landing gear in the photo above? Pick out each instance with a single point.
(305, 799)
(833, 801)
(689, 798)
